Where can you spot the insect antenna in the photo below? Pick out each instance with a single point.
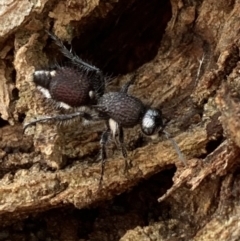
(175, 145)
(126, 86)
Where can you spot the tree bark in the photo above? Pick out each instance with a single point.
(185, 55)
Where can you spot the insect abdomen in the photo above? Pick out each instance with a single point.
(70, 86)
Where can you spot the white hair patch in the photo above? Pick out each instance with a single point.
(53, 73)
(148, 122)
(45, 92)
(40, 72)
(63, 105)
(113, 126)
(91, 94)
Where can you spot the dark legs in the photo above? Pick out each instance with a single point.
(123, 148)
(121, 142)
(103, 142)
(125, 87)
(61, 118)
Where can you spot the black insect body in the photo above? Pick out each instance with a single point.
(75, 85)
(128, 111)
(68, 86)
(125, 111)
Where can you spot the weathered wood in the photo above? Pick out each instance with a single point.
(185, 55)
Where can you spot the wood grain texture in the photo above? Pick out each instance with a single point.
(185, 55)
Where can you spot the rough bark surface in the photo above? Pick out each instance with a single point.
(186, 58)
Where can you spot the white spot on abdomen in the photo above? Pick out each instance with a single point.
(45, 92)
(63, 105)
(38, 73)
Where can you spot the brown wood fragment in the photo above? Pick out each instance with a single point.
(185, 55)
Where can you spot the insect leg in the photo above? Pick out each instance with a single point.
(60, 118)
(73, 57)
(103, 142)
(125, 87)
(123, 148)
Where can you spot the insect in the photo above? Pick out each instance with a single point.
(122, 110)
(72, 87)
(69, 86)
